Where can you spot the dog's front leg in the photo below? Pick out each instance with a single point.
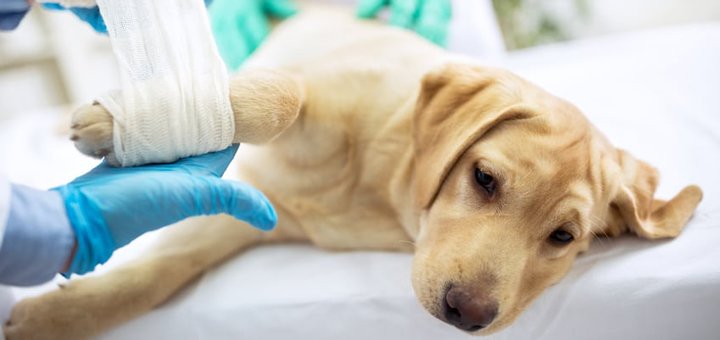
(90, 306)
(264, 103)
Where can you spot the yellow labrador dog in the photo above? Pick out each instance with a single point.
(374, 139)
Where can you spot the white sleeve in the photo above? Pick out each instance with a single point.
(4, 205)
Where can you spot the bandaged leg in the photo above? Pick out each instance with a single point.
(264, 104)
(175, 99)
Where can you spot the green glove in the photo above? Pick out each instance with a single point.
(429, 18)
(240, 26)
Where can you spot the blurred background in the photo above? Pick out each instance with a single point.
(55, 61)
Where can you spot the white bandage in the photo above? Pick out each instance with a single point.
(174, 100)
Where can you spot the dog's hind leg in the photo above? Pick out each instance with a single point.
(92, 305)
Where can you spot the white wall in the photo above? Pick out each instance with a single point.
(612, 16)
(54, 59)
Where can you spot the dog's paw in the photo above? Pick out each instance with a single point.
(22, 322)
(45, 317)
(92, 132)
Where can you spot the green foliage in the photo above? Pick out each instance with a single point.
(526, 23)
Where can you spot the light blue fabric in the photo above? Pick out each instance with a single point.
(109, 207)
(38, 238)
(12, 12)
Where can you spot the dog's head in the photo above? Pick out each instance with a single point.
(512, 183)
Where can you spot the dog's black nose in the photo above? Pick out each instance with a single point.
(469, 312)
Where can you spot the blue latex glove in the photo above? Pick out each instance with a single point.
(89, 15)
(109, 207)
(239, 26)
(429, 18)
(12, 12)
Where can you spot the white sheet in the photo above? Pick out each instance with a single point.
(653, 93)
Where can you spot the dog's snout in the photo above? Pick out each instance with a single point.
(467, 311)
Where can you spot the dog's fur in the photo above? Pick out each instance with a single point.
(373, 139)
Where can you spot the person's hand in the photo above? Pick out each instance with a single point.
(239, 26)
(429, 18)
(109, 207)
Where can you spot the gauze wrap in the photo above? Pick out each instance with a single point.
(174, 99)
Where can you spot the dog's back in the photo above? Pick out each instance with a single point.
(361, 81)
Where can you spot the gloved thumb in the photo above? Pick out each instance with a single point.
(243, 202)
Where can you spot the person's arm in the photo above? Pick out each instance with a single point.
(75, 227)
(12, 12)
(38, 239)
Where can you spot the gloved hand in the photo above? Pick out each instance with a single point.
(429, 18)
(109, 207)
(239, 26)
(89, 15)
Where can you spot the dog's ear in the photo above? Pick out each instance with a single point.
(457, 104)
(635, 209)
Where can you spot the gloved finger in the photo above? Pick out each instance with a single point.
(434, 20)
(244, 202)
(210, 164)
(404, 12)
(282, 9)
(369, 8)
(53, 6)
(91, 16)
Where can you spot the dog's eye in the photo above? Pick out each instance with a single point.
(486, 181)
(561, 237)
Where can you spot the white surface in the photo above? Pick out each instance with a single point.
(654, 93)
